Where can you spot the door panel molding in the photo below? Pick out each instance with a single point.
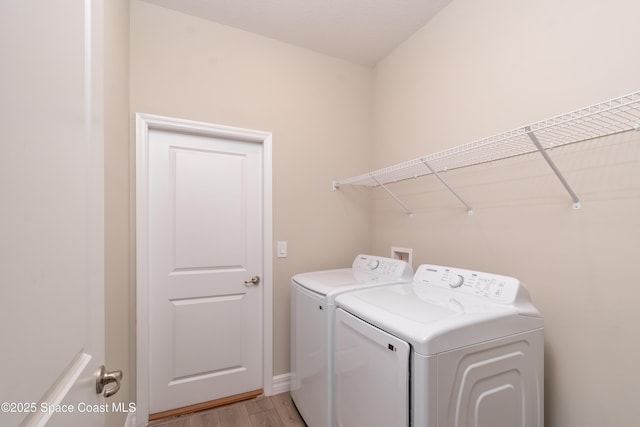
(144, 124)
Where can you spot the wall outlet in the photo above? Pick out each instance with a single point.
(404, 254)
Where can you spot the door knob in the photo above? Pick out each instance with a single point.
(253, 281)
(104, 378)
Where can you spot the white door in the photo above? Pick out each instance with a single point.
(205, 244)
(51, 213)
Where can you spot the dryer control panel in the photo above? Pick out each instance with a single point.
(496, 288)
(381, 266)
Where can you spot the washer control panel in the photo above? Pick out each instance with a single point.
(501, 289)
(382, 266)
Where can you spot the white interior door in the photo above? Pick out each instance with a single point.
(51, 214)
(205, 243)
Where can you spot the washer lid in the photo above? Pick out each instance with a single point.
(433, 319)
(366, 270)
(330, 283)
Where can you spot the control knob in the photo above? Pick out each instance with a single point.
(456, 280)
(374, 264)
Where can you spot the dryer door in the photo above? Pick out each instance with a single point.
(371, 375)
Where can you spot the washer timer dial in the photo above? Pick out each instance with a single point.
(455, 280)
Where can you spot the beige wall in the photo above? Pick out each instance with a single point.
(477, 69)
(480, 68)
(317, 107)
(116, 193)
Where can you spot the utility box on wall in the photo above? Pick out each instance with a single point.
(404, 254)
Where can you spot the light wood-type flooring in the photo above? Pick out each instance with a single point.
(272, 411)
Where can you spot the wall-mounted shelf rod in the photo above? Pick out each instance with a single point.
(554, 168)
(384, 187)
(446, 184)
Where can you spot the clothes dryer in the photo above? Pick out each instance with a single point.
(312, 322)
(455, 348)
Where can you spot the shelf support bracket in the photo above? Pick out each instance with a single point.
(446, 184)
(392, 195)
(543, 152)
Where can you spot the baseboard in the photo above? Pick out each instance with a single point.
(281, 383)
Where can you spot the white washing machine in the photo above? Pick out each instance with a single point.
(312, 321)
(455, 348)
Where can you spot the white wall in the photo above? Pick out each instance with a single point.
(480, 68)
(317, 107)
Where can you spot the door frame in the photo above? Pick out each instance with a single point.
(144, 123)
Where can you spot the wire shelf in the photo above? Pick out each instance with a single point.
(606, 118)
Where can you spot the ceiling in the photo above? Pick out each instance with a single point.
(361, 31)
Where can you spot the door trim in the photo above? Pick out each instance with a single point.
(145, 122)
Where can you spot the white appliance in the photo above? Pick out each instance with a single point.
(312, 321)
(455, 348)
